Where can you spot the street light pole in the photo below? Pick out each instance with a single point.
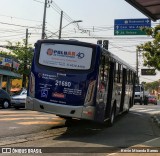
(60, 27)
(60, 30)
(137, 63)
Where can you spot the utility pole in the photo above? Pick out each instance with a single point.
(47, 2)
(60, 27)
(25, 60)
(137, 66)
(44, 20)
(26, 42)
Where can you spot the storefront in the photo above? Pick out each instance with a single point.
(8, 71)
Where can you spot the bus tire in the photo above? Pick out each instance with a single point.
(112, 117)
(65, 117)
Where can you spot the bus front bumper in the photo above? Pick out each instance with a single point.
(81, 112)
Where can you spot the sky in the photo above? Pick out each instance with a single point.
(97, 23)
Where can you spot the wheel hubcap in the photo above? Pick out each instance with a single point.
(6, 104)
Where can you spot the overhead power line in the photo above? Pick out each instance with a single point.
(38, 1)
(19, 25)
(12, 17)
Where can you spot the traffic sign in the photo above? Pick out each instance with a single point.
(129, 32)
(130, 26)
(148, 72)
(133, 21)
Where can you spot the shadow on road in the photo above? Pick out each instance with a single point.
(129, 130)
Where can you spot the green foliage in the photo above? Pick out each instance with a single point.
(24, 55)
(7, 55)
(152, 85)
(151, 49)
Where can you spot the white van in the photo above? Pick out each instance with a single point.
(139, 94)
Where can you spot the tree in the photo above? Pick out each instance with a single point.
(151, 49)
(8, 55)
(152, 85)
(24, 55)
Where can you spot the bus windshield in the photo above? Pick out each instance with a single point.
(65, 56)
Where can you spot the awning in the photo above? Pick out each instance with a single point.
(9, 73)
(150, 8)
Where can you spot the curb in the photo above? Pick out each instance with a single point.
(156, 119)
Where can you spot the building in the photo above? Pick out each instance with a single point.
(8, 71)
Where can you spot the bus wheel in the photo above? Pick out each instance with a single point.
(65, 117)
(68, 122)
(112, 118)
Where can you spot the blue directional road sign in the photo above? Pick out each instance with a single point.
(130, 26)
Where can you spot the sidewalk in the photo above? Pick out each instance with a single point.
(156, 119)
(152, 145)
(148, 148)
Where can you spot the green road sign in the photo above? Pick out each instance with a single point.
(148, 72)
(129, 32)
(131, 26)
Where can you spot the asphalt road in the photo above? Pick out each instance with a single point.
(134, 129)
(19, 122)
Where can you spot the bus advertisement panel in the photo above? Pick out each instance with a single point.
(65, 56)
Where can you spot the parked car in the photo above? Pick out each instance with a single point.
(5, 100)
(152, 99)
(18, 101)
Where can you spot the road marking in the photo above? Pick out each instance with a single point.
(13, 127)
(30, 118)
(112, 154)
(30, 115)
(137, 113)
(39, 122)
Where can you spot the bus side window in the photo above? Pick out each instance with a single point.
(104, 70)
(121, 68)
(129, 76)
(116, 73)
(119, 73)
